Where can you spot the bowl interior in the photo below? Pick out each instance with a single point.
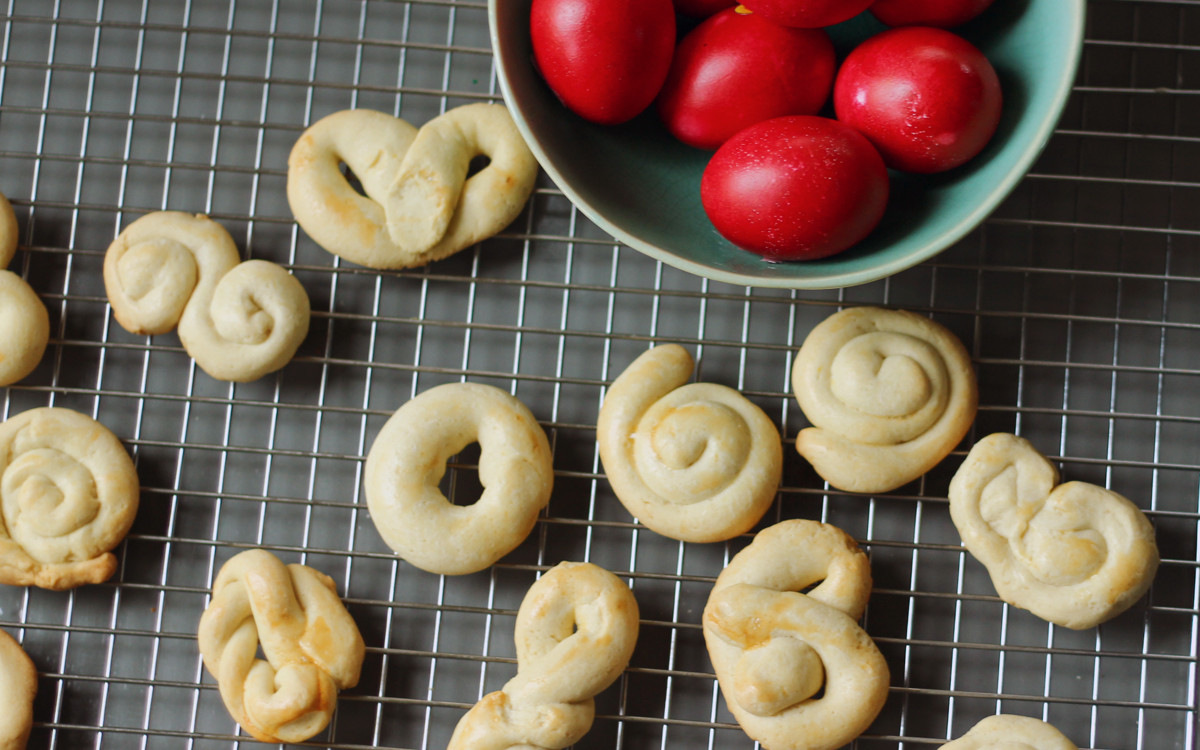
(643, 187)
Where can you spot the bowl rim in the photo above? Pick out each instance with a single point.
(1021, 165)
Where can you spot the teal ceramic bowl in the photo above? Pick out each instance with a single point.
(643, 187)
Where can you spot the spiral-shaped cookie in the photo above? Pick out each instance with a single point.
(24, 323)
(18, 686)
(889, 393)
(68, 495)
(1011, 732)
(575, 632)
(239, 321)
(695, 462)
(408, 460)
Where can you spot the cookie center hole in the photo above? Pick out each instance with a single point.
(478, 164)
(352, 179)
(461, 484)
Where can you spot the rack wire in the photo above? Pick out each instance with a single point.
(1078, 300)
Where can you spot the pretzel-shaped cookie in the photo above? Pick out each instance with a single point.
(313, 648)
(576, 629)
(1075, 554)
(696, 462)
(774, 648)
(420, 205)
(1011, 732)
(19, 678)
(890, 394)
(24, 322)
(239, 321)
(68, 495)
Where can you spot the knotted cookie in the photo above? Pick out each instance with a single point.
(795, 668)
(312, 647)
(239, 321)
(18, 686)
(68, 495)
(24, 323)
(1074, 554)
(575, 632)
(889, 393)
(420, 204)
(408, 460)
(696, 462)
(1011, 732)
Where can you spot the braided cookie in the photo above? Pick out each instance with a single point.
(1011, 732)
(420, 205)
(24, 323)
(68, 495)
(239, 321)
(889, 394)
(696, 462)
(18, 686)
(774, 648)
(408, 460)
(575, 632)
(1074, 554)
(312, 647)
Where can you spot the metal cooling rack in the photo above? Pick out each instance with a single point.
(1078, 299)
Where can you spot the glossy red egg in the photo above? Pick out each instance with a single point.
(807, 14)
(702, 8)
(944, 14)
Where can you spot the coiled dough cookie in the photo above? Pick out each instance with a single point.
(311, 645)
(575, 632)
(18, 679)
(697, 462)
(239, 321)
(796, 670)
(420, 205)
(1075, 554)
(1011, 732)
(68, 495)
(24, 323)
(408, 460)
(889, 393)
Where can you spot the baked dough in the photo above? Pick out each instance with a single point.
(575, 632)
(889, 393)
(24, 322)
(1011, 732)
(239, 321)
(312, 647)
(1075, 554)
(696, 462)
(19, 680)
(408, 460)
(68, 495)
(775, 648)
(420, 205)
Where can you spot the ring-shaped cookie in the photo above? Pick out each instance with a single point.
(1011, 732)
(693, 461)
(408, 460)
(19, 680)
(24, 322)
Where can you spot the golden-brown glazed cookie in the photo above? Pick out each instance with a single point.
(68, 495)
(1075, 554)
(239, 321)
(420, 205)
(24, 323)
(18, 686)
(696, 462)
(312, 646)
(575, 632)
(889, 393)
(795, 668)
(1010, 732)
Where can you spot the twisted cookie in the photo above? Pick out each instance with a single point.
(239, 321)
(24, 323)
(774, 648)
(420, 205)
(889, 393)
(311, 644)
(1075, 554)
(696, 462)
(1011, 732)
(68, 495)
(408, 459)
(575, 632)
(18, 686)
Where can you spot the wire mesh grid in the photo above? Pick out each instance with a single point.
(1077, 299)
